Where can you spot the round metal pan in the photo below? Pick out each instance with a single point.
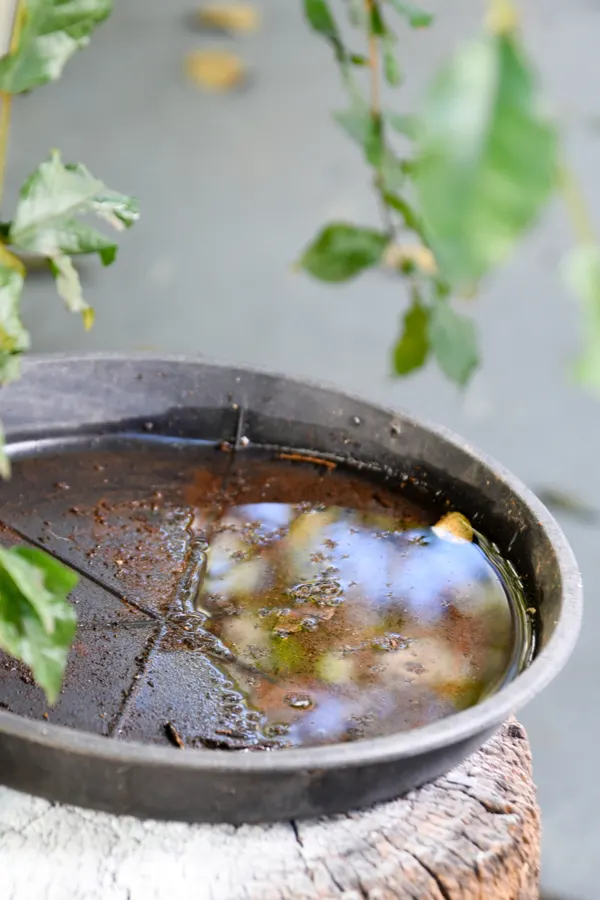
(65, 399)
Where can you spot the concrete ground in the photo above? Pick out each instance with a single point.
(232, 186)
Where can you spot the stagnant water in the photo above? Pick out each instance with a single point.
(327, 607)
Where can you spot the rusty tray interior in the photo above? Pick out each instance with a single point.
(119, 510)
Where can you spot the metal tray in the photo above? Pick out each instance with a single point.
(66, 402)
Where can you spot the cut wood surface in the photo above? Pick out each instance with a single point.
(474, 834)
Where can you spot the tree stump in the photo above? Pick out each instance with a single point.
(473, 834)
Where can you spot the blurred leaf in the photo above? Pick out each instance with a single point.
(405, 125)
(14, 339)
(216, 70)
(240, 17)
(68, 286)
(400, 205)
(319, 16)
(359, 123)
(53, 30)
(37, 623)
(342, 251)
(582, 274)
(412, 349)
(453, 339)
(50, 199)
(4, 458)
(377, 25)
(415, 16)
(487, 157)
(391, 68)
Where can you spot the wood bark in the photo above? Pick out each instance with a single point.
(474, 834)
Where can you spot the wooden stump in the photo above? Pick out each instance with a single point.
(473, 834)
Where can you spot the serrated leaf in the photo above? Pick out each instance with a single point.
(486, 157)
(68, 286)
(341, 251)
(37, 623)
(453, 339)
(50, 200)
(412, 350)
(414, 15)
(582, 274)
(53, 30)
(14, 338)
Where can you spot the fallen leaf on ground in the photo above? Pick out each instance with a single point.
(215, 70)
(229, 17)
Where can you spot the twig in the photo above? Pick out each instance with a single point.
(299, 457)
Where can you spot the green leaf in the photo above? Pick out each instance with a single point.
(342, 251)
(320, 18)
(412, 349)
(486, 158)
(68, 286)
(453, 339)
(416, 17)
(14, 338)
(45, 219)
(52, 32)
(364, 128)
(377, 25)
(409, 215)
(37, 623)
(582, 274)
(391, 68)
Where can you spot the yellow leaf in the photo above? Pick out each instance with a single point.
(11, 261)
(455, 527)
(215, 70)
(397, 256)
(229, 17)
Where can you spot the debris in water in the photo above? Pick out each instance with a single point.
(174, 735)
(298, 457)
(454, 527)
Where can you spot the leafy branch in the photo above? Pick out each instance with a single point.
(36, 621)
(483, 160)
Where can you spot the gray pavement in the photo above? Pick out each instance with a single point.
(231, 187)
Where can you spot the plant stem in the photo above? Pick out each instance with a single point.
(9, 39)
(375, 110)
(373, 65)
(576, 207)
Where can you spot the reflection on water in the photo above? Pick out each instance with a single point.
(364, 624)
